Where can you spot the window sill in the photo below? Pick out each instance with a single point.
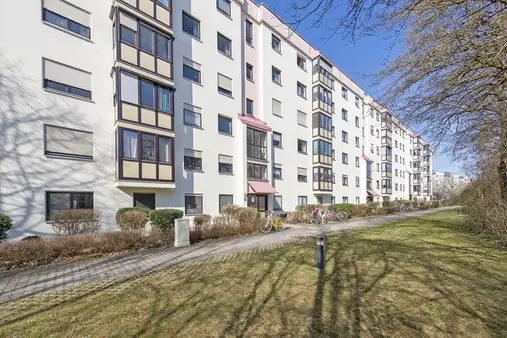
(226, 174)
(227, 56)
(193, 126)
(228, 16)
(303, 97)
(193, 37)
(251, 80)
(302, 153)
(225, 134)
(280, 116)
(52, 91)
(250, 44)
(303, 69)
(195, 171)
(276, 147)
(302, 125)
(278, 178)
(302, 181)
(279, 84)
(192, 81)
(226, 95)
(67, 31)
(63, 157)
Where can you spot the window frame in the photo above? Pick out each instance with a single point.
(255, 146)
(226, 13)
(345, 180)
(249, 28)
(226, 165)
(249, 69)
(47, 198)
(191, 79)
(195, 161)
(193, 19)
(225, 38)
(67, 89)
(220, 205)
(275, 38)
(305, 146)
(298, 58)
(199, 211)
(190, 124)
(229, 120)
(280, 142)
(263, 168)
(303, 88)
(249, 103)
(345, 115)
(303, 198)
(280, 204)
(275, 71)
(279, 169)
(67, 23)
(345, 158)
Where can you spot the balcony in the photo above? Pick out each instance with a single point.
(417, 182)
(326, 106)
(322, 72)
(322, 99)
(322, 126)
(145, 159)
(369, 175)
(387, 158)
(388, 141)
(322, 152)
(323, 179)
(158, 12)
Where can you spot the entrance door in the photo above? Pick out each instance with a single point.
(259, 202)
(144, 200)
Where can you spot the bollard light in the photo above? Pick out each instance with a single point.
(320, 253)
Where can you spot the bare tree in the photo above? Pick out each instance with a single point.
(451, 79)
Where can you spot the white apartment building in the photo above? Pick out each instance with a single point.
(185, 104)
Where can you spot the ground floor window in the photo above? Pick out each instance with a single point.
(144, 200)
(60, 200)
(193, 204)
(302, 200)
(224, 200)
(277, 202)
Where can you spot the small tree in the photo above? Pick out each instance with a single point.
(5, 225)
(76, 222)
(132, 219)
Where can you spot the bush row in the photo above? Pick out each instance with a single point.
(29, 253)
(303, 212)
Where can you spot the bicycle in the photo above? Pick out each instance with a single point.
(318, 217)
(406, 208)
(338, 216)
(278, 223)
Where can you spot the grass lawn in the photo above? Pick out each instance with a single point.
(415, 278)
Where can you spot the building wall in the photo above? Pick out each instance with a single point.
(26, 174)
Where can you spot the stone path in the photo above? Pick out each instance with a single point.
(24, 283)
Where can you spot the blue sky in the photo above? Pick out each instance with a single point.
(358, 60)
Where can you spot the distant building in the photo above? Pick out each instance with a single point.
(447, 184)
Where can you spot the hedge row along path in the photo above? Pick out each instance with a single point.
(18, 284)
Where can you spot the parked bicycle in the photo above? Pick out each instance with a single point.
(406, 208)
(273, 222)
(318, 216)
(337, 216)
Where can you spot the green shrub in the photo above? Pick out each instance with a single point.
(309, 208)
(202, 219)
(414, 204)
(386, 204)
(362, 210)
(346, 207)
(132, 219)
(163, 219)
(31, 238)
(5, 225)
(435, 204)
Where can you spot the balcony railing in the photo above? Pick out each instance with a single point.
(387, 158)
(388, 141)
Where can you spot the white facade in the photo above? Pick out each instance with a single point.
(142, 120)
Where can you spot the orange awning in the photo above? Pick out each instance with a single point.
(260, 187)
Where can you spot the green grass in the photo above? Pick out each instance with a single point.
(422, 277)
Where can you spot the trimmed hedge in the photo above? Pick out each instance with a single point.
(163, 219)
(132, 219)
(346, 207)
(202, 219)
(122, 210)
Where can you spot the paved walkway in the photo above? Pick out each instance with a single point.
(23, 283)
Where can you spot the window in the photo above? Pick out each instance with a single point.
(147, 94)
(164, 149)
(277, 171)
(277, 202)
(372, 148)
(127, 35)
(357, 181)
(333, 201)
(378, 134)
(378, 117)
(277, 140)
(276, 75)
(249, 72)
(395, 143)
(164, 100)
(345, 180)
(57, 201)
(378, 167)
(65, 23)
(396, 186)
(249, 107)
(323, 148)
(378, 184)
(224, 44)
(302, 147)
(224, 164)
(130, 144)
(191, 26)
(302, 118)
(357, 141)
(302, 200)
(276, 107)
(193, 204)
(345, 115)
(357, 200)
(378, 150)
(302, 175)
(248, 32)
(301, 90)
(345, 93)
(144, 200)
(224, 125)
(357, 102)
(357, 161)
(146, 39)
(276, 44)
(65, 142)
(191, 73)
(147, 147)
(396, 158)
(257, 144)
(224, 200)
(301, 62)
(257, 171)
(372, 131)
(396, 172)
(224, 85)
(192, 115)
(345, 199)
(224, 6)
(345, 137)
(192, 160)
(164, 3)
(66, 79)
(345, 158)
(357, 121)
